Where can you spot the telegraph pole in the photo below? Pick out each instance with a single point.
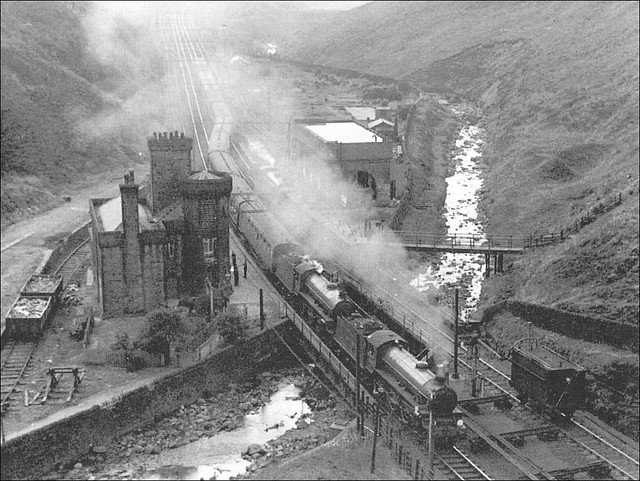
(430, 465)
(376, 422)
(359, 422)
(455, 339)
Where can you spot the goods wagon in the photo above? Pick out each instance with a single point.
(28, 317)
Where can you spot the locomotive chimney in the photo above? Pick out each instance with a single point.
(442, 372)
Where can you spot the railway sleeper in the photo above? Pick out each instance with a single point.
(597, 470)
(544, 433)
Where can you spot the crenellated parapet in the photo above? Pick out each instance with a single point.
(170, 163)
(169, 141)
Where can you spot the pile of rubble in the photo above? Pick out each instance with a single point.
(69, 298)
(29, 307)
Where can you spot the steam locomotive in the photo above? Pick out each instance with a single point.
(410, 387)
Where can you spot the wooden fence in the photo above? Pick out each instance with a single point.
(575, 226)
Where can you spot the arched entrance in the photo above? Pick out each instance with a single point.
(366, 181)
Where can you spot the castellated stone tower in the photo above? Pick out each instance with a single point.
(170, 164)
(134, 301)
(205, 207)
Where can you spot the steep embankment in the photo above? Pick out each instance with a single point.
(557, 83)
(68, 100)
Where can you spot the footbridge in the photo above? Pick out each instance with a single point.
(461, 243)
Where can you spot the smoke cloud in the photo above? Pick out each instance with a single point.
(121, 39)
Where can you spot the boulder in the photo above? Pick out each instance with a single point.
(254, 449)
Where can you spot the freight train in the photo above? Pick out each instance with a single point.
(545, 379)
(410, 387)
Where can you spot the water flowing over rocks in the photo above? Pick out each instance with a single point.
(465, 271)
(176, 445)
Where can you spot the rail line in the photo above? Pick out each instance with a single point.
(493, 376)
(15, 360)
(72, 262)
(458, 465)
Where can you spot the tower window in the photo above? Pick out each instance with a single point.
(171, 250)
(208, 246)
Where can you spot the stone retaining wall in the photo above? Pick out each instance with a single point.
(33, 454)
(67, 245)
(570, 324)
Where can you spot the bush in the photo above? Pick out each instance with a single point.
(162, 328)
(234, 328)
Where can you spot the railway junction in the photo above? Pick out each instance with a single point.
(506, 441)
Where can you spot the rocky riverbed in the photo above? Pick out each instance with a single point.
(175, 447)
(465, 271)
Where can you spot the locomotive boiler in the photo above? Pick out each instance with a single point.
(411, 388)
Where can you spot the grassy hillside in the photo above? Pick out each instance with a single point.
(66, 112)
(557, 84)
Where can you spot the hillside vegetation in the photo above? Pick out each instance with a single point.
(68, 111)
(557, 84)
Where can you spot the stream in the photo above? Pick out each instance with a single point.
(461, 214)
(219, 457)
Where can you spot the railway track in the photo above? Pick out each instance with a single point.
(457, 465)
(15, 362)
(605, 444)
(491, 369)
(73, 262)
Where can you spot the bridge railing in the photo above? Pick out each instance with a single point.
(454, 241)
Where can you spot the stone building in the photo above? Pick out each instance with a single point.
(149, 250)
(360, 155)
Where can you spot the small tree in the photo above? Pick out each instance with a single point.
(234, 328)
(163, 327)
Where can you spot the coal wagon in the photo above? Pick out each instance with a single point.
(43, 285)
(28, 317)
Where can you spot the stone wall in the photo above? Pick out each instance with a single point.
(66, 247)
(113, 282)
(153, 276)
(33, 454)
(570, 324)
(170, 163)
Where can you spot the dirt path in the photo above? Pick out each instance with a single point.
(25, 243)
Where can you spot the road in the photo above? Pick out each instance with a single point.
(25, 243)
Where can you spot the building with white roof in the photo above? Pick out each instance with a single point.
(359, 154)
